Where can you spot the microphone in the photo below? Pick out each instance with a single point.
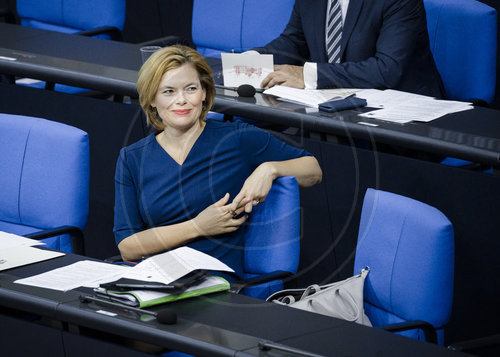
(166, 316)
(246, 90)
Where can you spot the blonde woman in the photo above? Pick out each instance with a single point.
(194, 182)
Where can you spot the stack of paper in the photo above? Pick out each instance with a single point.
(163, 268)
(17, 251)
(309, 97)
(403, 107)
(82, 273)
(174, 264)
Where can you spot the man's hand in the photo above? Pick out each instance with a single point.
(285, 75)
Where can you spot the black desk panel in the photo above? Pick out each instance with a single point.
(221, 324)
(72, 47)
(472, 135)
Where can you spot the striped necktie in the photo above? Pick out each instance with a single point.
(334, 32)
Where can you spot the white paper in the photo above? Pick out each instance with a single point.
(163, 268)
(23, 254)
(169, 266)
(245, 68)
(83, 273)
(377, 98)
(403, 107)
(8, 240)
(309, 97)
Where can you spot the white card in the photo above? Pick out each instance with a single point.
(245, 68)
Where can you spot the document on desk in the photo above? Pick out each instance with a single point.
(8, 240)
(309, 97)
(163, 268)
(245, 68)
(402, 107)
(83, 273)
(17, 251)
(20, 255)
(377, 98)
(174, 264)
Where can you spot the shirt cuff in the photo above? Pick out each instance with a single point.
(310, 75)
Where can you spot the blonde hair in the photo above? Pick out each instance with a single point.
(161, 62)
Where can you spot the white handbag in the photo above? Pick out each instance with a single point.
(342, 299)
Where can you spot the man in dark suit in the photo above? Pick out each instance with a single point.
(383, 44)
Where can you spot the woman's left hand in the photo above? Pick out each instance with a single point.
(255, 188)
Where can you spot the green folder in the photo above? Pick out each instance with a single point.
(145, 298)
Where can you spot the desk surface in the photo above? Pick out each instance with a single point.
(217, 324)
(112, 67)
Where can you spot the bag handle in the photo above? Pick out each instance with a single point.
(347, 296)
(275, 296)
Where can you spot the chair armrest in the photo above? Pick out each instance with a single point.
(113, 259)
(427, 328)
(113, 32)
(75, 233)
(237, 286)
(167, 41)
(117, 259)
(478, 102)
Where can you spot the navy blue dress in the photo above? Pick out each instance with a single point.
(152, 189)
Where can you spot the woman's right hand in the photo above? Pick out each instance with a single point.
(218, 218)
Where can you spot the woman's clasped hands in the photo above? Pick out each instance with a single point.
(219, 218)
(223, 217)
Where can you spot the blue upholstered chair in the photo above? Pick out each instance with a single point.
(409, 247)
(463, 40)
(239, 25)
(272, 239)
(44, 185)
(97, 18)
(236, 26)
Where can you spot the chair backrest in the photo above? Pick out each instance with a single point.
(272, 239)
(70, 16)
(409, 247)
(463, 40)
(239, 25)
(45, 174)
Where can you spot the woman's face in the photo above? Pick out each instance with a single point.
(180, 97)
